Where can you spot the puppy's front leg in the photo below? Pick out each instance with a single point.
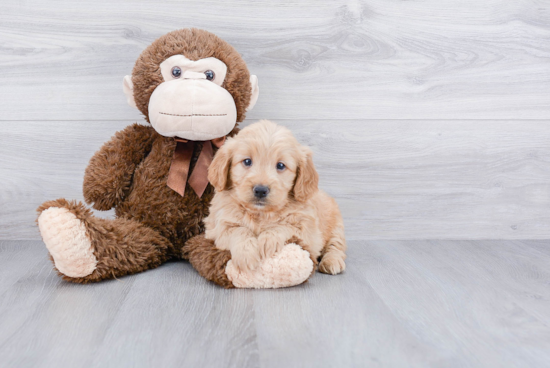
(272, 240)
(243, 246)
(334, 252)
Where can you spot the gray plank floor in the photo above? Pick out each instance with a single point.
(437, 303)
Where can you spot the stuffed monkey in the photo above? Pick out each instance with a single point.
(193, 89)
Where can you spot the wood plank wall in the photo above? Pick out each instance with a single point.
(428, 119)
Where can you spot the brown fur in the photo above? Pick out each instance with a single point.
(130, 172)
(254, 230)
(194, 44)
(120, 246)
(208, 260)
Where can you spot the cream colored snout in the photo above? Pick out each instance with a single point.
(192, 107)
(189, 105)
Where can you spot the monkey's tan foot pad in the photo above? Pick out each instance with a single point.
(289, 267)
(66, 239)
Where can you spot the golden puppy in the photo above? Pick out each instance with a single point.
(266, 193)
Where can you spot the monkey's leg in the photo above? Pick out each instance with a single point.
(86, 249)
(291, 266)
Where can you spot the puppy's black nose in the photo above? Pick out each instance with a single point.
(260, 191)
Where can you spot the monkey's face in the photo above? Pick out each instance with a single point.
(192, 85)
(191, 102)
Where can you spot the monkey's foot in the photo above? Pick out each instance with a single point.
(289, 267)
(66, 239)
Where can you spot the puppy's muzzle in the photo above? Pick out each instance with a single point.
(260, 191)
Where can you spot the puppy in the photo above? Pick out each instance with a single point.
(267, 193)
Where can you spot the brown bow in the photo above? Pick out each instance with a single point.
(179, 169)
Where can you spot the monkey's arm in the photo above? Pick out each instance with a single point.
(292, 266)
(109, 173)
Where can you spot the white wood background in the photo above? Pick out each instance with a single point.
(429, 118)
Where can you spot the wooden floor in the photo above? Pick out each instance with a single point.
(399, 304)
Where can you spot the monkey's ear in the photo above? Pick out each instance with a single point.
(255, 92)
(128, 88)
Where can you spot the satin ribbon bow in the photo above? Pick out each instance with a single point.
(179, 169)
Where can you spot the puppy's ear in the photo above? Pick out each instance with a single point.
(307, 179)
(218, 171)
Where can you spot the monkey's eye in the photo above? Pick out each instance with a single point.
(281, 166)
(176, 72)
(210, 75)
(247, 162)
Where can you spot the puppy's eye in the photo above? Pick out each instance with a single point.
(176, 72)
(280, 166)
(247, 162)
(210, 75)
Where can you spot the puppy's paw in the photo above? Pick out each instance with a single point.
(246, 256)
(269, 244)
(332, 264)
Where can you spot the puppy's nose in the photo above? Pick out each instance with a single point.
(261, 191)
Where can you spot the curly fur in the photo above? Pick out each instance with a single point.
(208, 260)
(194, 44)
(121, 246)
(130, 171)
(254, 229)
(211, 262)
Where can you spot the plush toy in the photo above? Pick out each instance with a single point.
(193, 88)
